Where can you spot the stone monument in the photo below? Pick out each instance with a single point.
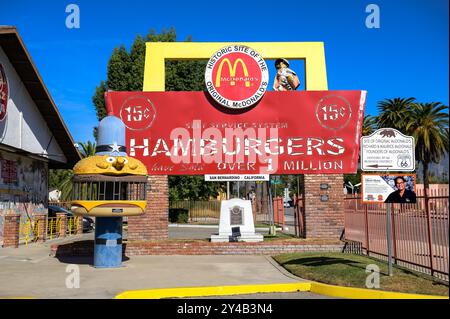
(236, 213)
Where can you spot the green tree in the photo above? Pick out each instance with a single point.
(126, 73)
(369, 124)
(87, 149)
(353, 178)
(393, 113)
(193, 187)
(62, 178)
(56, 176)
(428, 124)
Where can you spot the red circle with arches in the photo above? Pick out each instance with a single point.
(236, 76)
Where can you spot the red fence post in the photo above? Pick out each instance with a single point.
(295, 215)
(366, 217)
(394, 239)
(301, 222)
(430, 234)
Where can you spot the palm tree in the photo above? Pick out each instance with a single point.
(87, 149)
(368, 125)
(428, 124)
(65, 181)
(393, 113)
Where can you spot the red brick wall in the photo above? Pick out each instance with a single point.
(41, 219)
(177, 247)
(154, 223)
(11, 224)
(324, 219)
(63, 226)
(79, 223)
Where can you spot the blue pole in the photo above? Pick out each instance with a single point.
(108, 242)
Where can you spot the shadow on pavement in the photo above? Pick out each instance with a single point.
(80, 252)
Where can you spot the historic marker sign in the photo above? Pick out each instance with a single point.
(3, 93)
(236, 76)
(300, 132)
(387, 150)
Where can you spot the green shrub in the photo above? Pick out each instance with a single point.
(178, 215)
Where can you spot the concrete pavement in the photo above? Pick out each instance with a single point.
(31, 272)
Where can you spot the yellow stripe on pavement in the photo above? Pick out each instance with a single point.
(313, 287)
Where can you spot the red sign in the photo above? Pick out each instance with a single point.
(3, 93)
(236, 76)
(304, 132)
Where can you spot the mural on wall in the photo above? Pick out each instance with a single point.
(23, 184)
(4, 91)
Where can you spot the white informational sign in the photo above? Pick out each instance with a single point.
(387, 150)
(236, 178)
(377, 188)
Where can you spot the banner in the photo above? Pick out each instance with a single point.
(388, 188)
(188, 133)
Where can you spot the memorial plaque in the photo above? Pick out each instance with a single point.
(236, 222)
(236, 213)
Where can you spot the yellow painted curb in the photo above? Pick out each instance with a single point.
(361, 293)
(184, 292)
(314, 287)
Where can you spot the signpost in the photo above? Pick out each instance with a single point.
(388, 150)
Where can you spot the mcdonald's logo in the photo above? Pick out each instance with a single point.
(245, 81)
(232, 71)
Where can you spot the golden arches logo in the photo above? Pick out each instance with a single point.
(232, 70)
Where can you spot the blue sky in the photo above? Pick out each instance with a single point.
(407, 56)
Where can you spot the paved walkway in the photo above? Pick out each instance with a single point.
(31, 272)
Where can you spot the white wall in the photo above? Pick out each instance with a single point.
(28, 131)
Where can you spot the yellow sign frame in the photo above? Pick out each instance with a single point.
(157, 53)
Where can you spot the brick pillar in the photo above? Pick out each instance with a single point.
(63, 226)
(11, 224)
(41, 219)
(154, 224)
(324, 219)
(79, 223)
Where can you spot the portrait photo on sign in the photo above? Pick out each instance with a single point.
(389, 188)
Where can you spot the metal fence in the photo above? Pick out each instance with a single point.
(53, 227)
(72, 224)
(419, 232)
(28, 229)
(208, 212)
(299, 216)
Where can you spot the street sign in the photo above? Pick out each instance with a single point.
(387, 150)
(276, 181)
(236, 178)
